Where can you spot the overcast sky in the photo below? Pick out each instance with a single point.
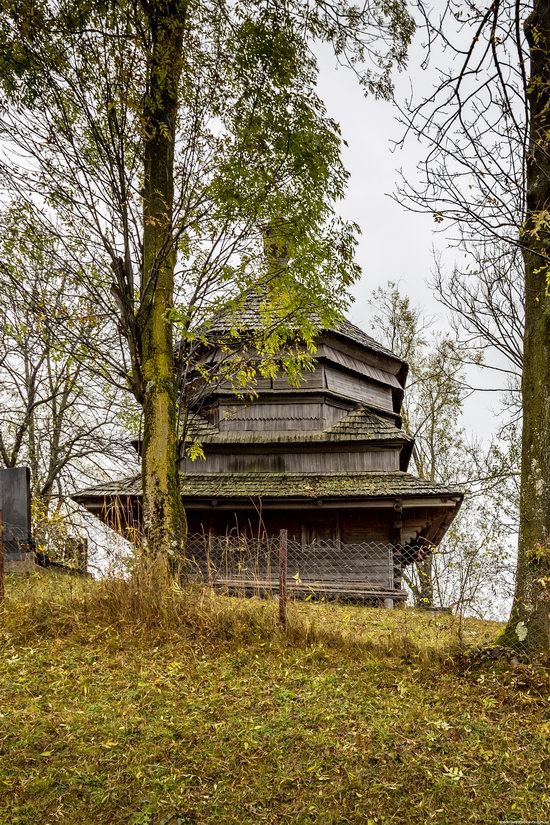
(395, 244)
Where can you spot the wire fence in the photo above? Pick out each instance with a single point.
(239, 565)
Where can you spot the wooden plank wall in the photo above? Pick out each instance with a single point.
(293, 462)
(305, 525)
(311, 379)
(271, 415)
(332, 412)
(358, 388)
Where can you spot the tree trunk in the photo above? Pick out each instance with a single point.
(529, 624)
(163, 515)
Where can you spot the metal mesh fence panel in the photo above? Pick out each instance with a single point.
(320, 569)
(338, 570)
(234, 564)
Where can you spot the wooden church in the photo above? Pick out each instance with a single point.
(326, 460)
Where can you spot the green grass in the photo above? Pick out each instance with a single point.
(109, 715)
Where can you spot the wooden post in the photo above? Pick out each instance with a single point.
(282, 577)
(397, 542)
(1, 555)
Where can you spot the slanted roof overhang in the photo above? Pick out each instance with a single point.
(364, 428)
(355, 489)
(383, 369)
(291, 491)
(349, 362)
(325, 503)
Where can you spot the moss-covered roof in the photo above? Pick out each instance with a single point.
(363, 423)
(359, 425)
(232, 486)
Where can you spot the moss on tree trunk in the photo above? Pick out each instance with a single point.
(163, 515)
(529, 624)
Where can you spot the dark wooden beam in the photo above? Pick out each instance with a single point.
(397, 541)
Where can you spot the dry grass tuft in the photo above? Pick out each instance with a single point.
(152, 605)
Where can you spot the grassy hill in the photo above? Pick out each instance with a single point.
(122, 705)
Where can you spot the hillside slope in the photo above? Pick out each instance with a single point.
(357, 716)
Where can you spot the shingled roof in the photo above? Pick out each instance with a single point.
(348, 330)
(245, 314)
(232, 486)
(360, 425)
(364, 423)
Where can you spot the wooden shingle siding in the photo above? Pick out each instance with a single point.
(266, 415)
(359, 389)
(354, 364)
(313, 379)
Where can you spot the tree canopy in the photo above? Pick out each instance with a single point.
(175, 142)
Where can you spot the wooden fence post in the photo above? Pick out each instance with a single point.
(282, 577)
(1, 555)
